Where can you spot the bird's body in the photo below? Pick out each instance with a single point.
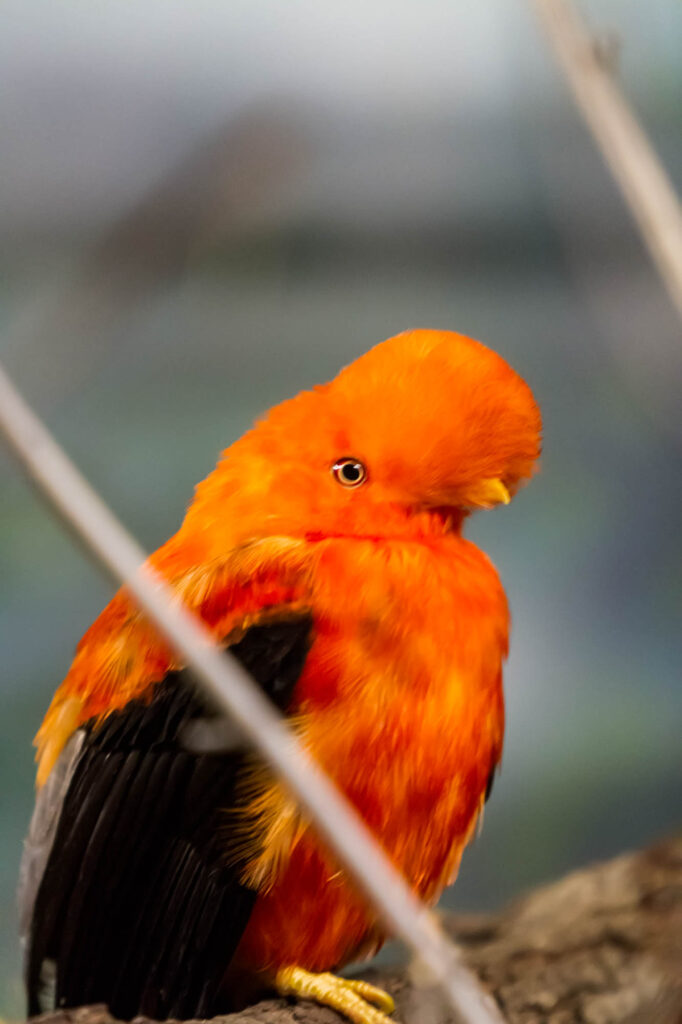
(365, 615)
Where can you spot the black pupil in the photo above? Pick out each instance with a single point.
(351, 472)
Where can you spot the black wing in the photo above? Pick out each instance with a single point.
(136, 907)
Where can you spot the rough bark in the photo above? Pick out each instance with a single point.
(601, 946)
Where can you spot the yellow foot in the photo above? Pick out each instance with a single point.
(352, 998)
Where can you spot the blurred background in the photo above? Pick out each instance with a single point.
(205, 208)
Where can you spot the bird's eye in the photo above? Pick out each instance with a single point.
(349, 472)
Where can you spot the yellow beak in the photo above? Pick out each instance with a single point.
(488, 493)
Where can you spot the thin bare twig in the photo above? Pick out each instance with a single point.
(625, 147)
(230, 688)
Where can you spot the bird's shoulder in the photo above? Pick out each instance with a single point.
(122, 656)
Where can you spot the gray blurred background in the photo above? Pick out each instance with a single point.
(206, 207)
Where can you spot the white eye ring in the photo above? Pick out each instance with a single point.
(349, 472)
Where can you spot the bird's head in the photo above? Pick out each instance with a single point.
(426, 422)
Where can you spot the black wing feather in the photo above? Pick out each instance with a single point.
(137, 907)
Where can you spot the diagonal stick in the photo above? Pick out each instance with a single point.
(641, 177)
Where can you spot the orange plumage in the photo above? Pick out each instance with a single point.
(400, 697)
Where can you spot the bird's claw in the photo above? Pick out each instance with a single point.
(352, 998)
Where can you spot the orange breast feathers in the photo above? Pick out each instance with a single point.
(401, 702)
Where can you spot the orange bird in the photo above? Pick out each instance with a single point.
(166, 875)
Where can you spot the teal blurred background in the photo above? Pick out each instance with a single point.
(205, 208)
